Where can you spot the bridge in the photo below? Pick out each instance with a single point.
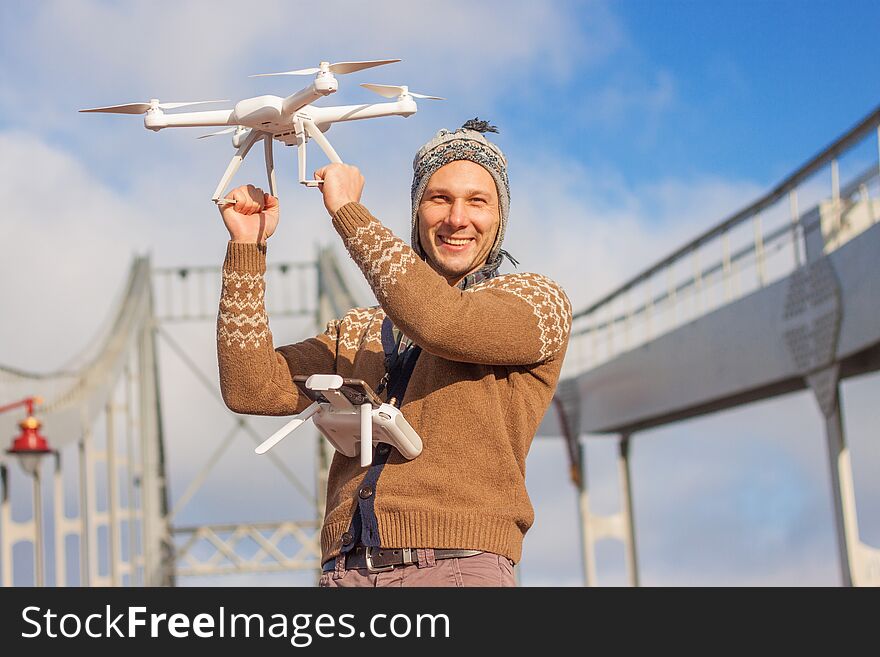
(781, 296)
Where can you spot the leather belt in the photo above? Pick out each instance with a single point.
(376, 559)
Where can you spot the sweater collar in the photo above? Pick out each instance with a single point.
(487, 271)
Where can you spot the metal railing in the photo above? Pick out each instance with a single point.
(191, 293)
(762, 243)
(223, 549)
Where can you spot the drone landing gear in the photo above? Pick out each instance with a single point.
(270, 165)
(304, 129)
(236, 161)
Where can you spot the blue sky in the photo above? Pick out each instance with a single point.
(629, 126)
(740, 89)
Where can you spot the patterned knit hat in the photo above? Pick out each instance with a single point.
(466, 143)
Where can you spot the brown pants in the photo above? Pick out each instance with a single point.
(485, 569)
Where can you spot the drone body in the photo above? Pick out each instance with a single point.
(292, 120)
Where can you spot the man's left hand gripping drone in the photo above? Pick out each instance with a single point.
(292, 120)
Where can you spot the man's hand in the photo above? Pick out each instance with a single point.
(343, 183)
(253, 217)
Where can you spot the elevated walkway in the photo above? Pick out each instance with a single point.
(753, 348)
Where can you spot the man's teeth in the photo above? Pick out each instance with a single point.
(455, 242)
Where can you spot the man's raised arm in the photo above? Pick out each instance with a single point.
(256, 378)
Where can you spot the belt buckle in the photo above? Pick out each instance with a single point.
(368, 552)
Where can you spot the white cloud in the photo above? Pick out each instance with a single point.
(68, 240)
(616, 102)
(591, 230)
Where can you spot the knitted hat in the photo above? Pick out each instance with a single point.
(466, 143)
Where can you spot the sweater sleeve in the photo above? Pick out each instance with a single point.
(516, 319)
(255, 378)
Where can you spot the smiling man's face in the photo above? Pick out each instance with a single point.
(458, 219)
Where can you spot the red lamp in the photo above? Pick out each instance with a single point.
(30, 446)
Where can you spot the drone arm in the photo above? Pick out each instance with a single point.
(338, 113)
(235, 162)
(300, 99)
(159, 120)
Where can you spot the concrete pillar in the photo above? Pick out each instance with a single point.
(629, 537)
(826, 388)
(588, 554)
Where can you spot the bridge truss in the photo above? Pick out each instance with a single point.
(107, 519)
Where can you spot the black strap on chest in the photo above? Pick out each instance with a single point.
(399, 364)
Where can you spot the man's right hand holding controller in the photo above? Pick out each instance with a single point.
(253, 217)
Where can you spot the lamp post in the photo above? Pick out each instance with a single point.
(29, 447)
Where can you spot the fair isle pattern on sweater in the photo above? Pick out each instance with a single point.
(360, 327)
(387, 257)
(243, 318)
(550, 305)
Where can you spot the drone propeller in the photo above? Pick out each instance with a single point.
(392, 91)
(140, 108)
(219, 132)
(339, 68)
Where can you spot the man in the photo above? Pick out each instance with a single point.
(473, 368)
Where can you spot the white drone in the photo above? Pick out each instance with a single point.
(292, 120)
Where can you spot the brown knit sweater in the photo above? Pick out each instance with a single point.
(490, 361)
